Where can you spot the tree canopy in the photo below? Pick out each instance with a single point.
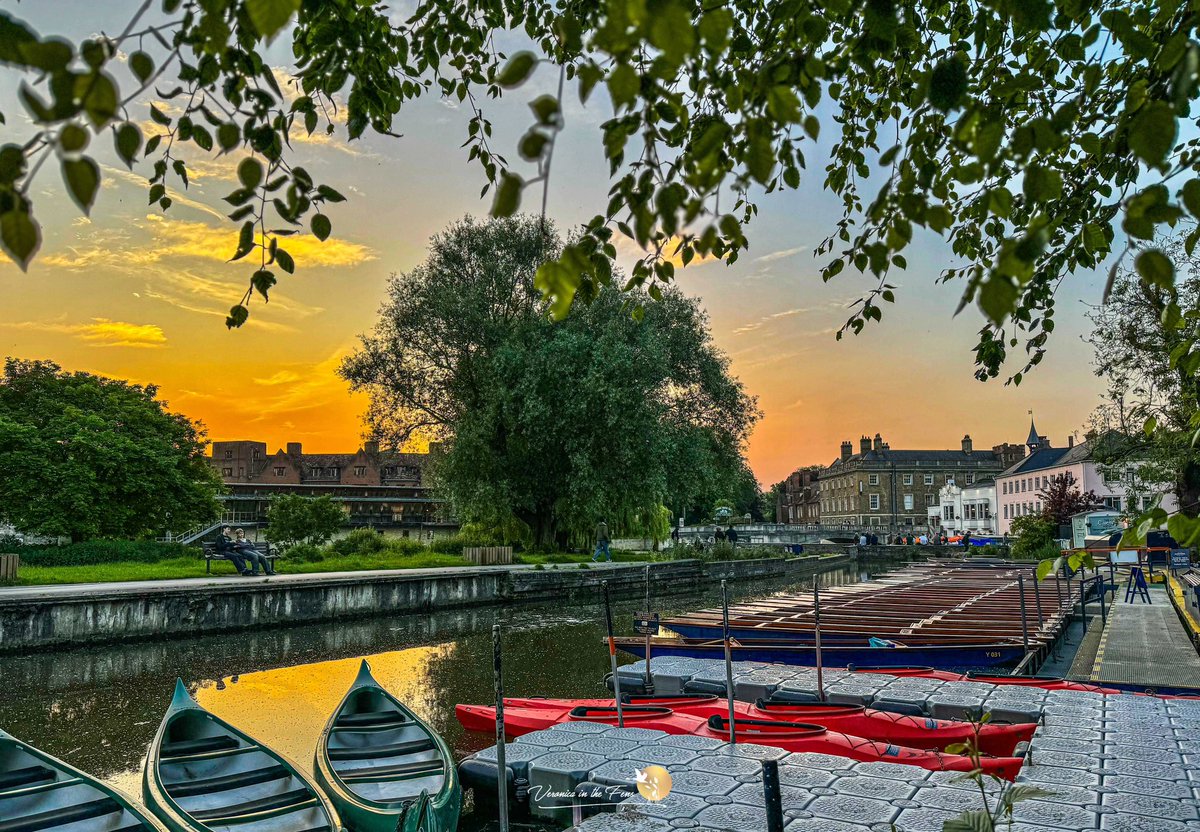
(293, 519)
(1034, 136)
(604, 414)
(83, 456)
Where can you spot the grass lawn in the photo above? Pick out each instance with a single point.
(194, 567)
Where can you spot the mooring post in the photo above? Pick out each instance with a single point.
(728, 660)
(501, 767)
(1083, 597)
(817, 637)
(771, 792)
(1024, 620)
(612, 655)
(1037, 600)
(649, 683)
(1103, 601)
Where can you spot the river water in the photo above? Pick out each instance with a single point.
(98, 708)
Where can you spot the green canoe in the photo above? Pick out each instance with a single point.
(203, 774)
(40, 793)
(385, 769)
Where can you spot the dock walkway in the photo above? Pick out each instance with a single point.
(1145, 644)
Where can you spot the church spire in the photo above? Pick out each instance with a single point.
(1034, 440)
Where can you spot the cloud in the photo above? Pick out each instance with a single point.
(281, 377)
(176, 197)
(627, 248)
(780, 255)
(766, 319)
(102, 332)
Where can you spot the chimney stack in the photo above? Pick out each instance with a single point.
(864, 445)
(371, 446)
(294, 449)
(1071, 441)
(967, 445)
(878, 442)
(847, 450)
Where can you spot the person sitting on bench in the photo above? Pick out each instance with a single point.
(247, 550)
(225, 548)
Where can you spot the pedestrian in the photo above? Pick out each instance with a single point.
(732, 536)
(675, 535)
(602, 543)
(966, 539)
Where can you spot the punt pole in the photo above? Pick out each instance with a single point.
(728, 660)
(817, 637)
(1037, 600)
(770, 772)
(649, 683)
(612, 655)
(501, 768)
(1024, 620)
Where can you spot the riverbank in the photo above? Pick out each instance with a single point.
(53, 616)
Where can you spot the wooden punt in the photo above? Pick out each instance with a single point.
(383, 767)
(40, 793)
(204, 775)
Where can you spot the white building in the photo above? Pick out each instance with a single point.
(965, 508)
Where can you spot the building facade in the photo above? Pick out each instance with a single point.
(965, 508)
(879, 486)
(1018, 488)
(799, 499)
(376, 489)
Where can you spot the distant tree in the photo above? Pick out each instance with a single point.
(294, 519)
(1062, 499)
(83, 456)
(1033, 537)
(557, 423)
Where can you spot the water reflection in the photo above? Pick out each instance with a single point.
(99, 707)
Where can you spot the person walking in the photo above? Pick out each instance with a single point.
(602, 543)
(732, 536)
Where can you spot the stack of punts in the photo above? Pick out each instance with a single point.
(976, 615)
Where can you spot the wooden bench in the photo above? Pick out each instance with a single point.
(211, 554)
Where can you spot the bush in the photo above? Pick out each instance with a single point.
(10, 543)
(405, 546)
(304, 553)
(360, 542)
(452, 545)
(1033, 538)
(93, 552)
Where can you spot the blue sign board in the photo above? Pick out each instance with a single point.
(1181, 558)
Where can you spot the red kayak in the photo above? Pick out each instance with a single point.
(856, 720)
(790, 736)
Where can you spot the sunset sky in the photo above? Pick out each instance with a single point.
(139, 294)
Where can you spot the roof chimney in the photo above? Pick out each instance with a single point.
(371, 447)
(294, 449)
(878, 442)
(967, 445)
(864, 445)
(847, 450)
(1071, 441)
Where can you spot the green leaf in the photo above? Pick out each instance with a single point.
(508, 195)
(998, 297)
(623, 86)
(250, 173)
(321, 227)
(673, 31)
(1042, 184)
(99, 98)
(237, 316)
(1152, 133)
(329, 194)
(285, 261)
(228, 136)
(159, 117)
(545, 109)
(976, 820)
(1190, 194)
(262, 281)
(948, 84)
(269, 16)
(83, 181)
(1155, 269)
(73, 138)
(19, 235)
(518, 69)
(142, 65)
(245, 241)
(1094, 240)
(128, 139)
(532, 144)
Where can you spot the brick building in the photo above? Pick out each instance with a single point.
(879, 486)
(376, 489)
(798, 500)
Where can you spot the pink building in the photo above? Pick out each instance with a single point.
(1018, 487)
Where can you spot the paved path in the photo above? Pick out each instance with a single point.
(50, 592)
(1146, 644)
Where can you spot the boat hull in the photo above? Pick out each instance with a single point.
(945, 658)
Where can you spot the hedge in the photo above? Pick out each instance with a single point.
(92, 552)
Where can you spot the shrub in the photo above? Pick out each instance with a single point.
(304, 553)
(405, 546)
(93, 552)
(452, 545)
(10, 543)
(1034, 537)
(360, 542)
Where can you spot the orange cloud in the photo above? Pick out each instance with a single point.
(102, 332)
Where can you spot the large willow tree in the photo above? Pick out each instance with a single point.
(603, 414)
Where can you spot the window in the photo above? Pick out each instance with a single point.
(872, 479)
(279, 471)
(227, 472)
(1113, 503)
(908, 479)
(1006, 511)
(931, 499)
(874, 502)
(360, 470)
(229, 453)
(970, 479)
(908, 502)
(1147, 501)
(255, 453)
(929, 479)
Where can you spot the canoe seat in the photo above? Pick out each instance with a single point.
(372, 752)
(398, 771)
(372, 719)
(25, 777)
(207, 785)
(252, 807)
(184, 748)
(61, 817)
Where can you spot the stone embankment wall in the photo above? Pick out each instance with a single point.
(41, 617)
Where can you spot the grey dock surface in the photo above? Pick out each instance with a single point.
(1145, 644)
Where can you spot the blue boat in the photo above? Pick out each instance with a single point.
(952, 657)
